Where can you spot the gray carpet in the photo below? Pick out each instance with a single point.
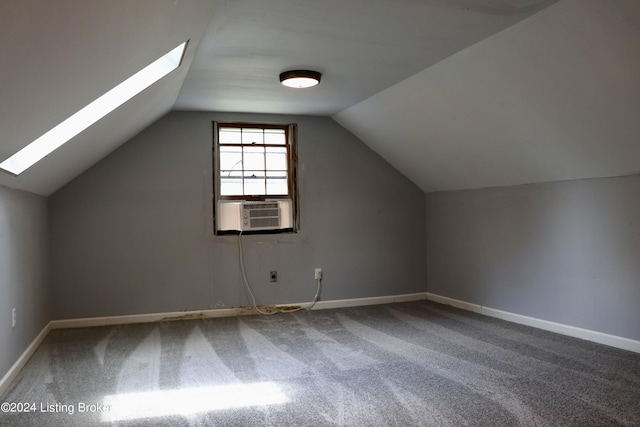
(407, 364)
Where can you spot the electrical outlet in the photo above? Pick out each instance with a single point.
(273, 276)
(13, 317)
(318, 274)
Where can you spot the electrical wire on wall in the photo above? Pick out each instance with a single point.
(277, 309)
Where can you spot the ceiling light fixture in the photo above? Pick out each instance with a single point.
(300, 79)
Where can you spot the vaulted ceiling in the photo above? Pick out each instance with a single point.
(453, 93)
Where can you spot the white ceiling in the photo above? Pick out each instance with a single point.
(57, 56)
(454, 93)
(360, 46)
(556, 97)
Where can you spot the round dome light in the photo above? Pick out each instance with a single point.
(300, 79)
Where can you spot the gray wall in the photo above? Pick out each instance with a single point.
(567, 252)
(23, 272)
(134, 233)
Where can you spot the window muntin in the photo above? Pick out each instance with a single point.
(254, 161)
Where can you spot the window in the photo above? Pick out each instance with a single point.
(255, 163)
(72, 126)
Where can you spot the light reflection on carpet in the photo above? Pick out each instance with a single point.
(188, 401)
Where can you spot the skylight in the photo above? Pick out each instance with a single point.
(93, 112)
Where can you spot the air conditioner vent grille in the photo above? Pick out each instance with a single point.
(260, 216)
(257, 223)
(261, 213)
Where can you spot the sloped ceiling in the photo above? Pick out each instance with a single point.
(59, 55)
(556, 97)
(454, 93)
(361, 47)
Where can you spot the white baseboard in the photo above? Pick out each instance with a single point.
(356, 302)
(572, 331)
(147, 318)
(225, 312)
(13, 372)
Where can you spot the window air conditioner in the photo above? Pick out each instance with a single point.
(254, 215)
(260, 216)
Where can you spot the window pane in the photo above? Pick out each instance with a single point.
(254, 184)
(231, 158)
(277, 183)
(253, 158)
(276, 158)
(274, 136)
(252, 136)
(230, 184)
(230, 135)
